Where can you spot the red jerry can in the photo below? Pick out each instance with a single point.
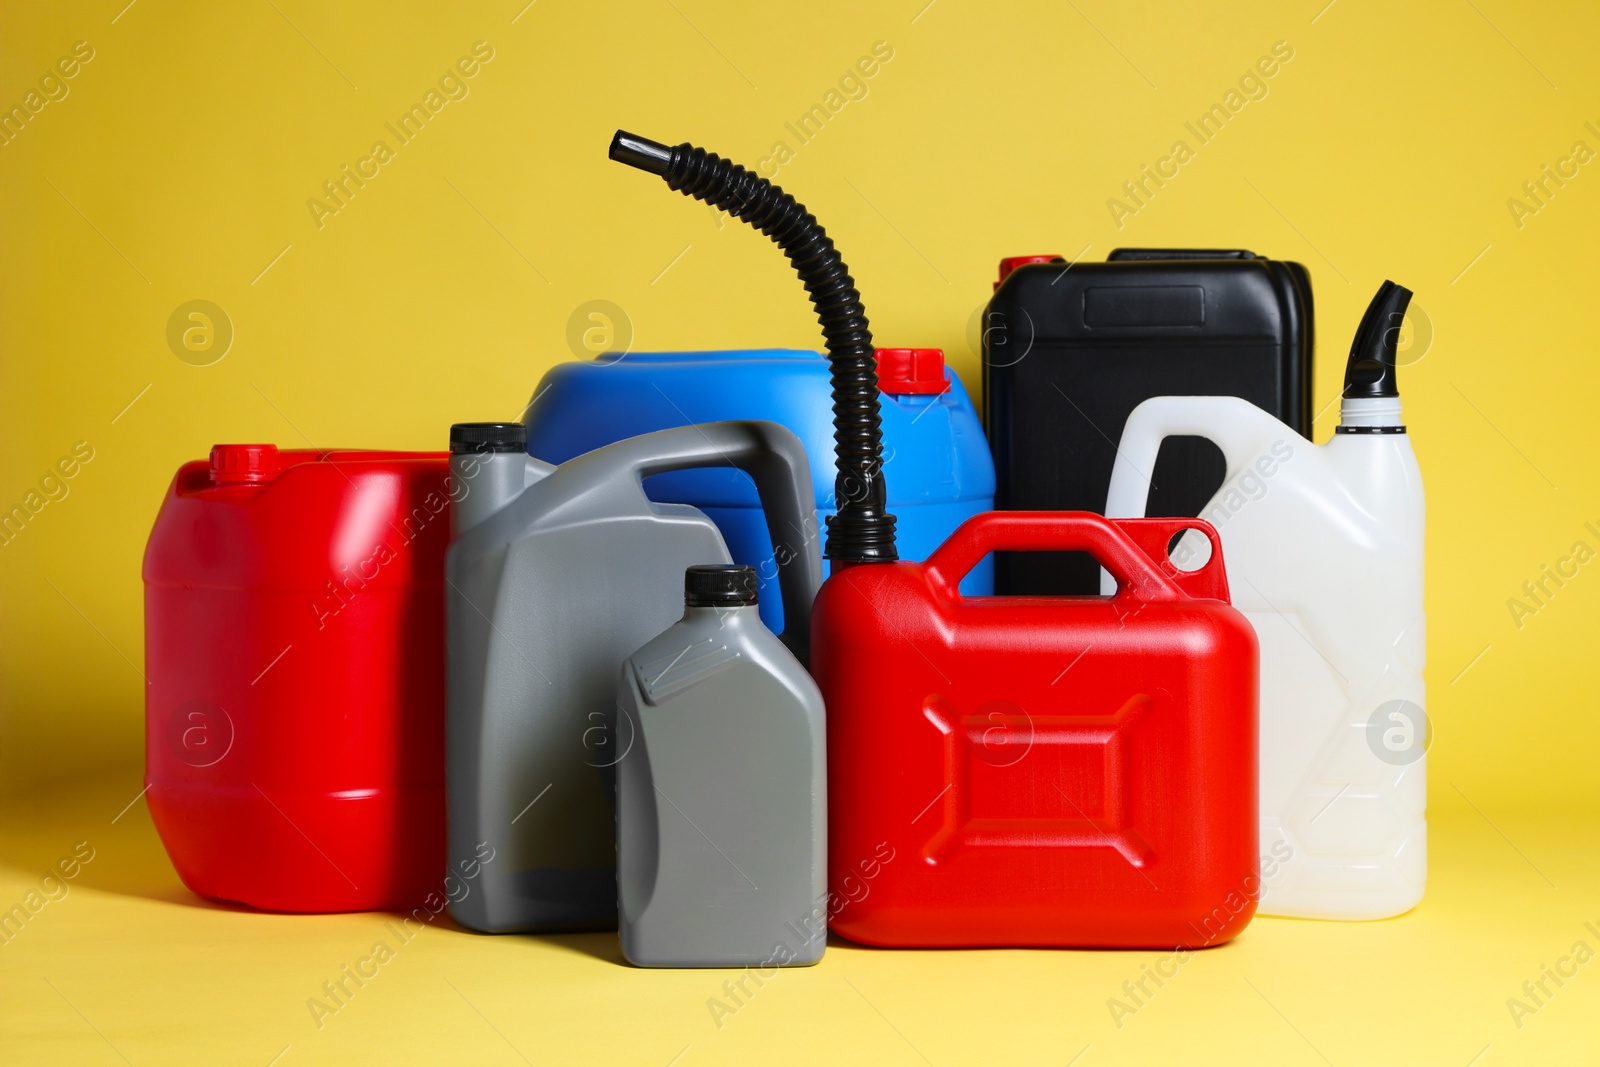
(294, 649)
(1044, 771)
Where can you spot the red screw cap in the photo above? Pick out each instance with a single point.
(235, 464)
(1011, 263)
(903, 371)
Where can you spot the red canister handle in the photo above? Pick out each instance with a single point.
(1133, 550)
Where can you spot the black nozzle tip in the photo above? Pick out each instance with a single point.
(1371, 371)
(640, 152)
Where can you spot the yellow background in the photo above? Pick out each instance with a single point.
(178, 168)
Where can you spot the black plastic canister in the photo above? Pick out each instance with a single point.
(1070, 349)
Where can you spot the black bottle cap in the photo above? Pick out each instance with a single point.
(480, 437)
(1371, 372)
(723, 585)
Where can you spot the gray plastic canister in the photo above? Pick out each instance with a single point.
(555, 575)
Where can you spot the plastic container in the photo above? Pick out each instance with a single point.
(1325, 544)
(1071, 349)
(556, 575)
(937, 460)
(1008, 771)
(1066, 771)
(294, 648)
(722, 800)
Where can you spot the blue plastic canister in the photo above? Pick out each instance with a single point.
(937, 464)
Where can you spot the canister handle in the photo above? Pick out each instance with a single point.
(775, 460)
(1133, 550)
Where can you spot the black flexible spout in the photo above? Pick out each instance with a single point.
(862, 531)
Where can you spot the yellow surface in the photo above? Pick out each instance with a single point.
(129, 962)
(178, 167)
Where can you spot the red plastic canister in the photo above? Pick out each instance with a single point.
(1050, 771)
(294, 651)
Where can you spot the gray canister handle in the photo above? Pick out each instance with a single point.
(770, 454)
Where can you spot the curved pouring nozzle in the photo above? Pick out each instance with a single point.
(1371, 372)
(861, 530)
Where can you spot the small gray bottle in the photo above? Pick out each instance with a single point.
(722, 800)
